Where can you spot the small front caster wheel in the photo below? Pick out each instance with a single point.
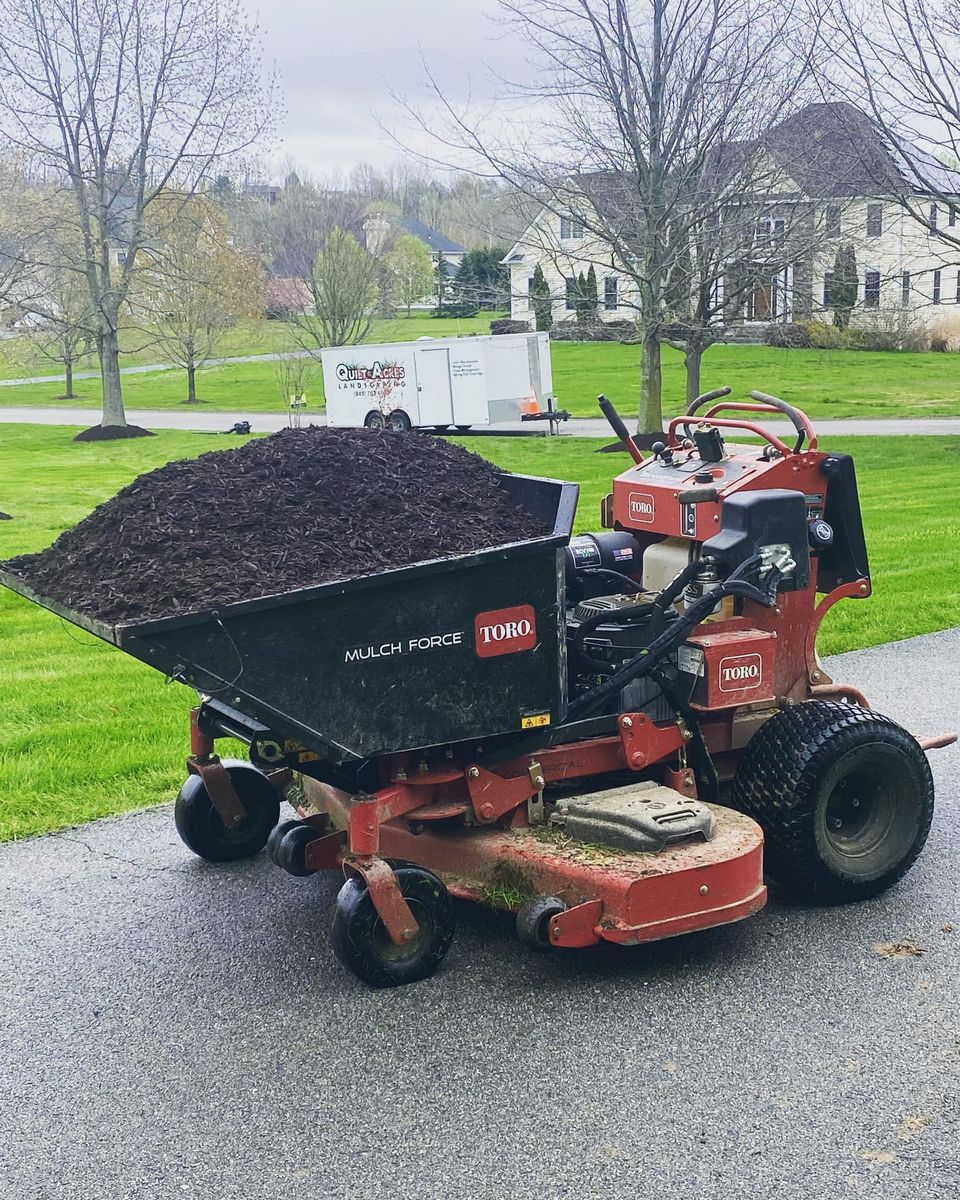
(287, 846)
(202, 829)
(361, 942)
(533, 920)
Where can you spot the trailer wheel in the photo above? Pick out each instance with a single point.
(361, 942)
(533, 920)
(374, 420)
(202, 829)
(287, 846)
(399, 422)
(844, 797)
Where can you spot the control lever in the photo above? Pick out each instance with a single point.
(615, 421)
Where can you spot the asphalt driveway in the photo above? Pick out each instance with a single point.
(171, 1029)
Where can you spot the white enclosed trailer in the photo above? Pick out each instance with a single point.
(438, 382)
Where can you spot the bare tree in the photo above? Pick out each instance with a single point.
(66, 330)
(294, 373)
(899, 62)
(635, 97)
(121, 104)
(293, 231)
(195, 284)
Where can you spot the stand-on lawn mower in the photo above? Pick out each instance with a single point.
(551, 726)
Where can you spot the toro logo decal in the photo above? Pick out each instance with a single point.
(741, 672)
(641, 507)
(505, 631)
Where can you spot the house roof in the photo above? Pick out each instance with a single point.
(835, 150)
(827, 150)
(439, 243)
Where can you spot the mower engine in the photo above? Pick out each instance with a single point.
(715, 556)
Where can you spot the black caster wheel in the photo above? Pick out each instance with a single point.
(361, 942)
(533, 920)
(202, 829)
(287, 846)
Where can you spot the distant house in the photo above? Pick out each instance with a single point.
(288, 297)
(380, 229)
(266, 193)
(834, 171)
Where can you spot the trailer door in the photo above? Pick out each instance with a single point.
(433, 386)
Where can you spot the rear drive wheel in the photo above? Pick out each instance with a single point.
(374, 420)
(844, 797)
(533, 920)
(361, 941)
(202, 829)
(399, 422)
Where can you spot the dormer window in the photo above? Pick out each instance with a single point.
(571, 229)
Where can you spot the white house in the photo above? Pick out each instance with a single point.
(835, 178)
(380, 228)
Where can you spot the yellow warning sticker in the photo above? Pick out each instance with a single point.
(297, 750)
(535, 721)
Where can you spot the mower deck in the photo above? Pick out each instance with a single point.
(609, 894)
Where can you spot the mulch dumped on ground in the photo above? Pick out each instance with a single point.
(302, 507)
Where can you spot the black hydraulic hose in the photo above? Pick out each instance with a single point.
(649, 658)
(673, 589)
(630, 584)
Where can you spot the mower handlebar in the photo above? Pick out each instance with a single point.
(768, 404)
(701, 400)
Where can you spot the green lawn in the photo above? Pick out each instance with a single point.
(87, 731)
(19, 358)
(825, 383)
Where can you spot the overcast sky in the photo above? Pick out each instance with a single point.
(339, 59)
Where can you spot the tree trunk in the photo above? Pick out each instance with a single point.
(650, 420)
(68, 390)
(693, 360)
(108, 351)
(192, 384)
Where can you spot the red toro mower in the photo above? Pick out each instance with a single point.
(613, 735)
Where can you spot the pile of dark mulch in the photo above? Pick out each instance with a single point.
(110, 433)
(302, 507)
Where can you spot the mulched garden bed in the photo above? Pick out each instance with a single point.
(302, 507)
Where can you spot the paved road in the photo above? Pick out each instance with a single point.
(173, 1029)
(206, 421)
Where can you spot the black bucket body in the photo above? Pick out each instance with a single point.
(458, 649)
